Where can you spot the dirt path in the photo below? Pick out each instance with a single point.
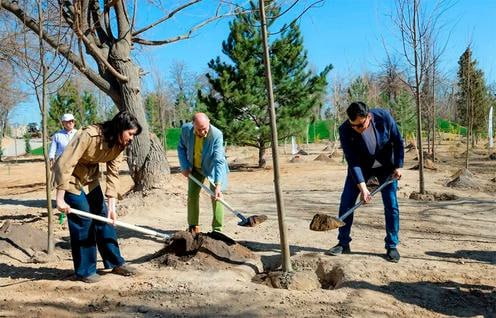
(448, 249)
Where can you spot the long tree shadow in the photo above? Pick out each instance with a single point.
(447, 298)
(27, 203)
(482, 256)
(33, 273)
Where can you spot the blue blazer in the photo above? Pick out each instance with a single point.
(389, 151)
(213, 165)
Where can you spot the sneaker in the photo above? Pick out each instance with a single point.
(194, 229)
(393, 255)
(339, 249)
(124, 270)
(93, 278)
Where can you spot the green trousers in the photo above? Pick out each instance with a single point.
(194, 204)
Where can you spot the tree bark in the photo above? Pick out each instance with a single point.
(146, 157)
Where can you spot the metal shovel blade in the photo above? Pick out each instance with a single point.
(324, 222)
(253, 220)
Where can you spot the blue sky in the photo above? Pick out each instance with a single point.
(348, 34)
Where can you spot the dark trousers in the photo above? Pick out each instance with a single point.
(88, 234)
(391, 209)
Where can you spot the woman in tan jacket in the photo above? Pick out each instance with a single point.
(77, 181)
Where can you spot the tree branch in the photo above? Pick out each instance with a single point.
(165, 18)
(186, 35)
(64, 49)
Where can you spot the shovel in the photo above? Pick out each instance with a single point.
(324, 222)
(120, 223)
(250, 221)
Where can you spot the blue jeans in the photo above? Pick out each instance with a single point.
(88, 234)
(391, 209)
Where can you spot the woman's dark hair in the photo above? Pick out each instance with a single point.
(357, 109)
(114, 127)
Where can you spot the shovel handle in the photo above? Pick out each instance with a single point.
(119, 223)
(387, 182)
(212, 194)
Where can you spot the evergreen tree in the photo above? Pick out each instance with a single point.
(237, 99)
(403, 109)
(358, 91)
(83, 106)
(472, 96)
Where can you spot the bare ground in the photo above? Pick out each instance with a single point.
(448, 248)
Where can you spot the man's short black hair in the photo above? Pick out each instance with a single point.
(357, 109)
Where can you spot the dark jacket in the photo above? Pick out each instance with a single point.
(389, 151)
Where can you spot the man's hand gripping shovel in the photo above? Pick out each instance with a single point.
(324, 222)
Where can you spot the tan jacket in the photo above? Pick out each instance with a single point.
(78, 164)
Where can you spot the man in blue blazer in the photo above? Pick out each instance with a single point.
(201, 153)
(372, 146)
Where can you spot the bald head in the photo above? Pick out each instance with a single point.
(201, 124)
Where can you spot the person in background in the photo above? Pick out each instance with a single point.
(77, 169)
(372, 146)
(201, 154)
(61, 138)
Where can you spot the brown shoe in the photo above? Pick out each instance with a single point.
(93, 278)
(194, 229)
(124, 270)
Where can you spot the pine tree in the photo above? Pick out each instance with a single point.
(358, 91)
(68, 100)
(473, 94)
(237, 99)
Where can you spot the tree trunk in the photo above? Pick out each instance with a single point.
(261, 157)
(146, 157)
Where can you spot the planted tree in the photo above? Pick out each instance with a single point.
(237, 100)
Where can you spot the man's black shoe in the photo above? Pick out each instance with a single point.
(338, 250)
(393, 255)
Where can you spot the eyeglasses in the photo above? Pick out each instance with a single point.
(360, 125)
(68, 121)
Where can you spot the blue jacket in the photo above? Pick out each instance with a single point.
(213, 160)
(389, 151)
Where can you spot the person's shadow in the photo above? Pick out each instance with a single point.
(482, 256)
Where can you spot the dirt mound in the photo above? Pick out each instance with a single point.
(463, 178)
(411, 146)
(313, 271)
(428, 164)
(211, 251)
(323, 157)
(432, 196)
(296, 159)
(23, 241)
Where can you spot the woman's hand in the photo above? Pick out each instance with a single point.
(62, 206)
(112, 211)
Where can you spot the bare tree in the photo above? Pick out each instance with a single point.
(418, 28)
(43, 68)
(105, 32)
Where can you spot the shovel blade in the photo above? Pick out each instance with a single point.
(253, 220)
(324, 222)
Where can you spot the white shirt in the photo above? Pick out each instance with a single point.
(60, 140)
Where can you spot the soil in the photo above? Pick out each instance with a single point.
(447, 266)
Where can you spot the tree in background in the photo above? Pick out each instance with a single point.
(403, 108)
(472, 98)
(237, 99)
(358, 91)
(69, 100)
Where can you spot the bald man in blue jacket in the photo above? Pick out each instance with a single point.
(372, 146)
(201, 154)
